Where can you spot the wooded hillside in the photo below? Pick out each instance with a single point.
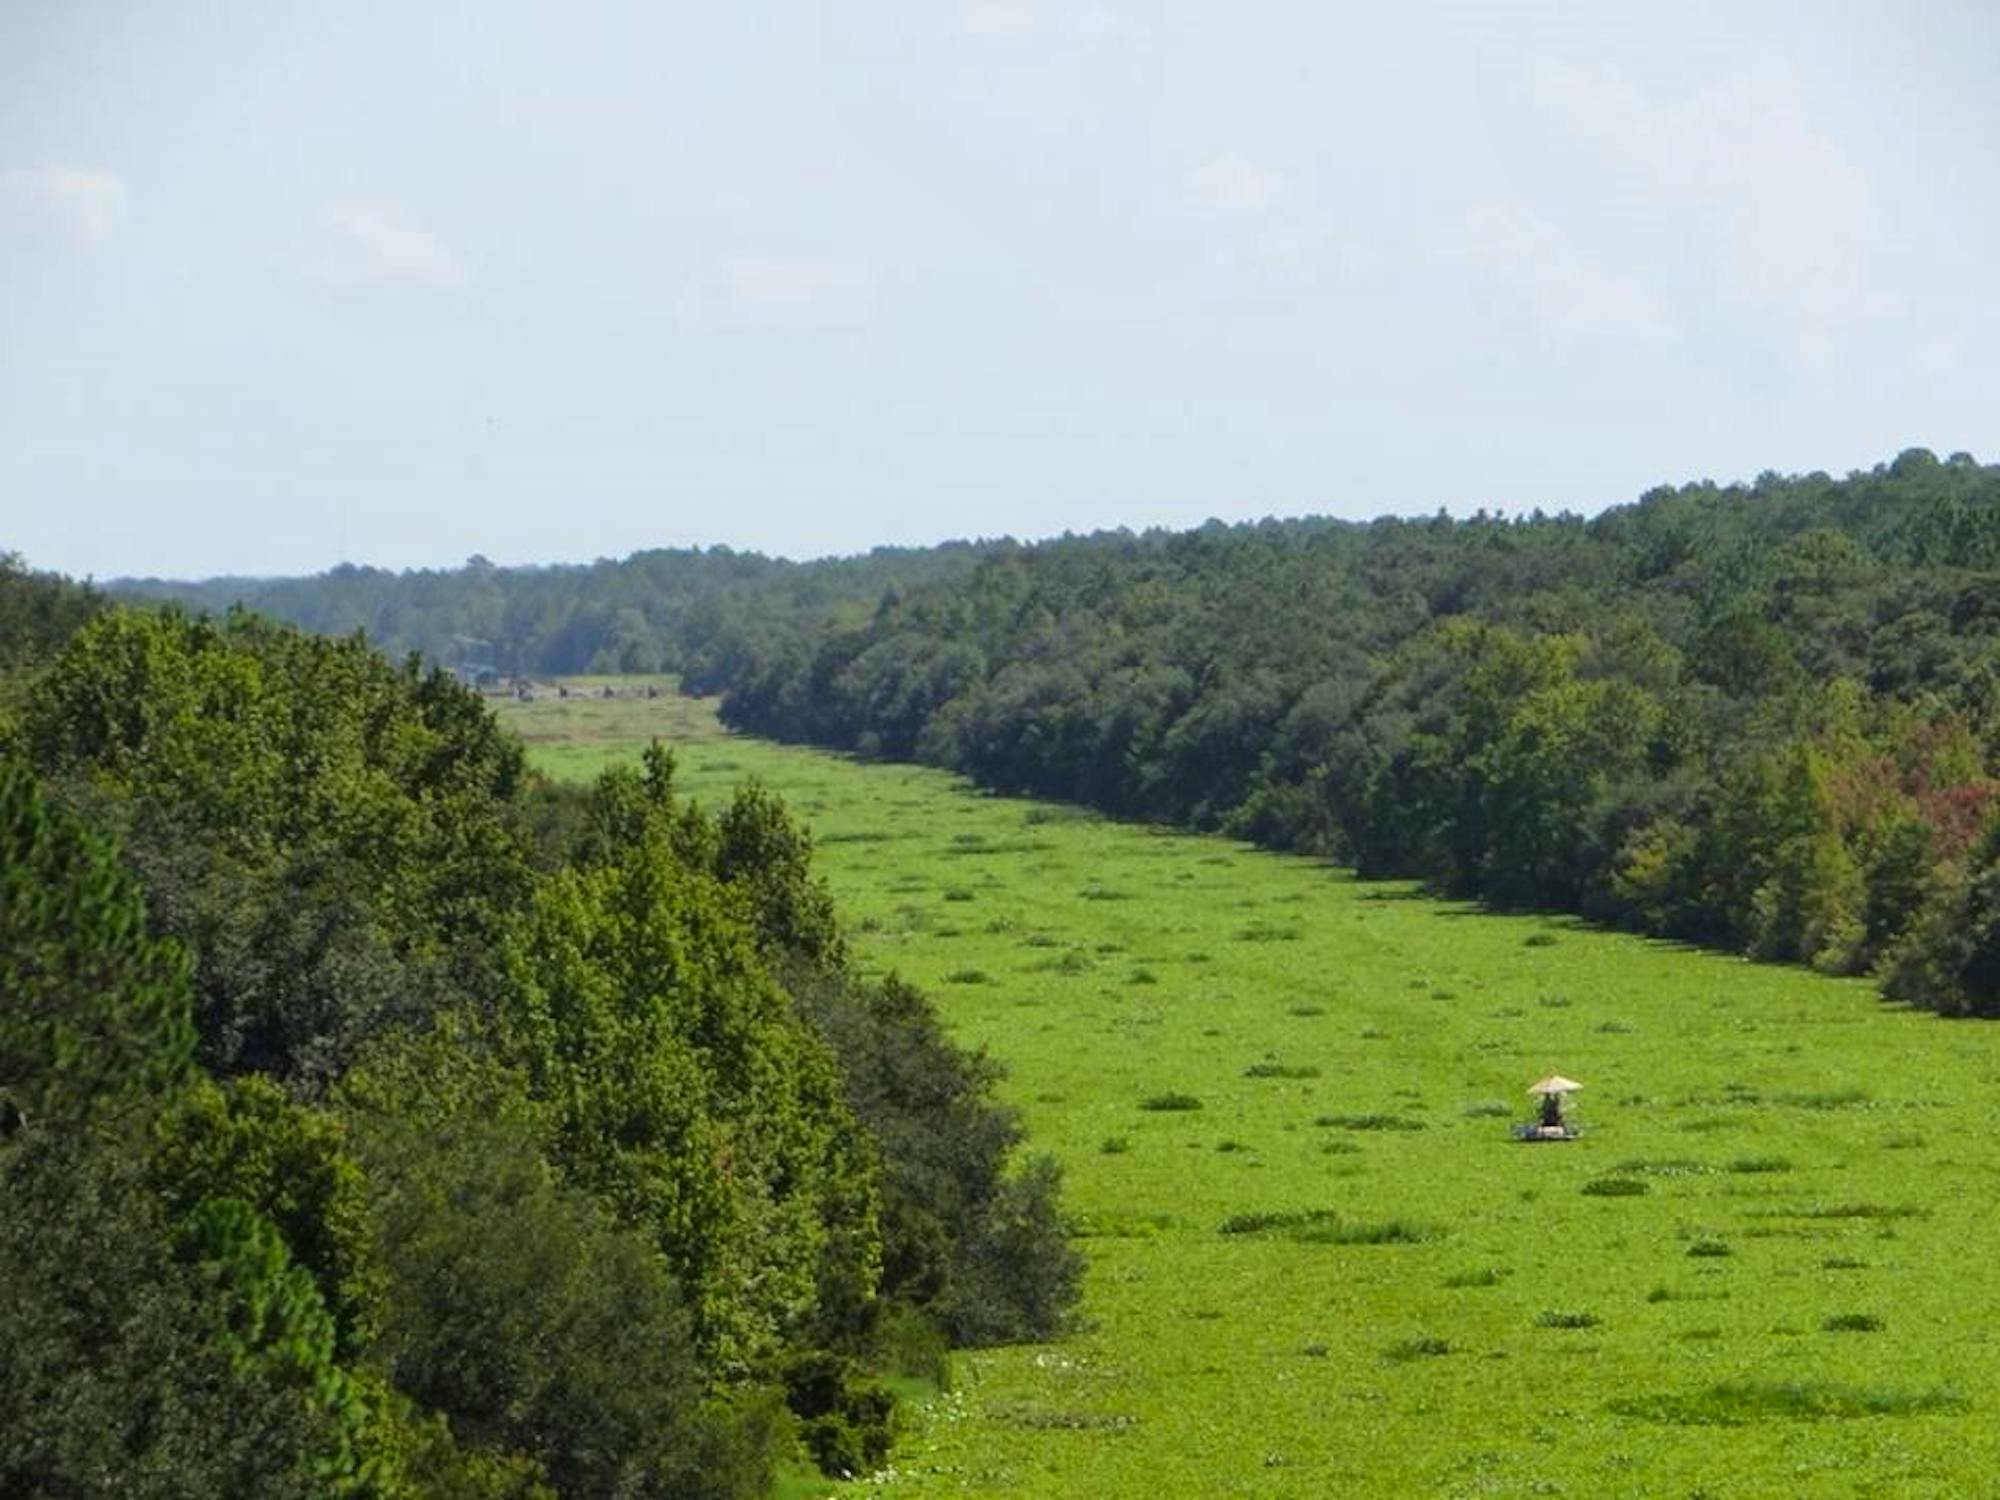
(378, 1119)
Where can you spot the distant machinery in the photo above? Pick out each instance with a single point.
(473, 662)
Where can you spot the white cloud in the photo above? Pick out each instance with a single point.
(1572, 297)
(1232, 181)
(997, 17)
(381, 249)
(80, 205)
(1785, 214)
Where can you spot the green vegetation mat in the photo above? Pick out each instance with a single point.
(1792, 1296)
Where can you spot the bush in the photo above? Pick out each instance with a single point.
(1324, 1226)
(846, 1421)
(1760, 1164)
(1367, 1232)
(1017, 1276)
(1614, 1187)
(984, 1252)
(1405, 1350)
(1736, 1402)
(1368, 1122)
(1554, 1318)
(1257, 1223)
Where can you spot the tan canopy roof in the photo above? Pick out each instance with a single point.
(1555, 1083)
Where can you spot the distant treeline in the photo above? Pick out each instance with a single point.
(648, 613)
(1764, 716)
(379, 1119)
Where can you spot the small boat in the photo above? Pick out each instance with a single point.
(1563, 1132)
(1551, 1126)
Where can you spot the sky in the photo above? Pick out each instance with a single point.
(286, 285)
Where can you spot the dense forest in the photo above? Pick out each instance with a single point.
(379, 1119)
(1763, 716)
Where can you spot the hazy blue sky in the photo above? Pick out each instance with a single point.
(284, 282)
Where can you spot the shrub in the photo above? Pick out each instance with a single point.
(1367, 1232)
(1268, 932)
(946, 1147)
(1170, 1103)
(1017, 1274)
(1735, 1403)
(1257, 1223)
(1368, 1122)
(1852, 1323)
(1846, 1098)
(1404, 1350)
(1615, 1187)
(1553, 1318)
(1856, 1211)
(845, 1420)
(1324, 1226)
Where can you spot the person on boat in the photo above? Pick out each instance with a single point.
(1552, 1111)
